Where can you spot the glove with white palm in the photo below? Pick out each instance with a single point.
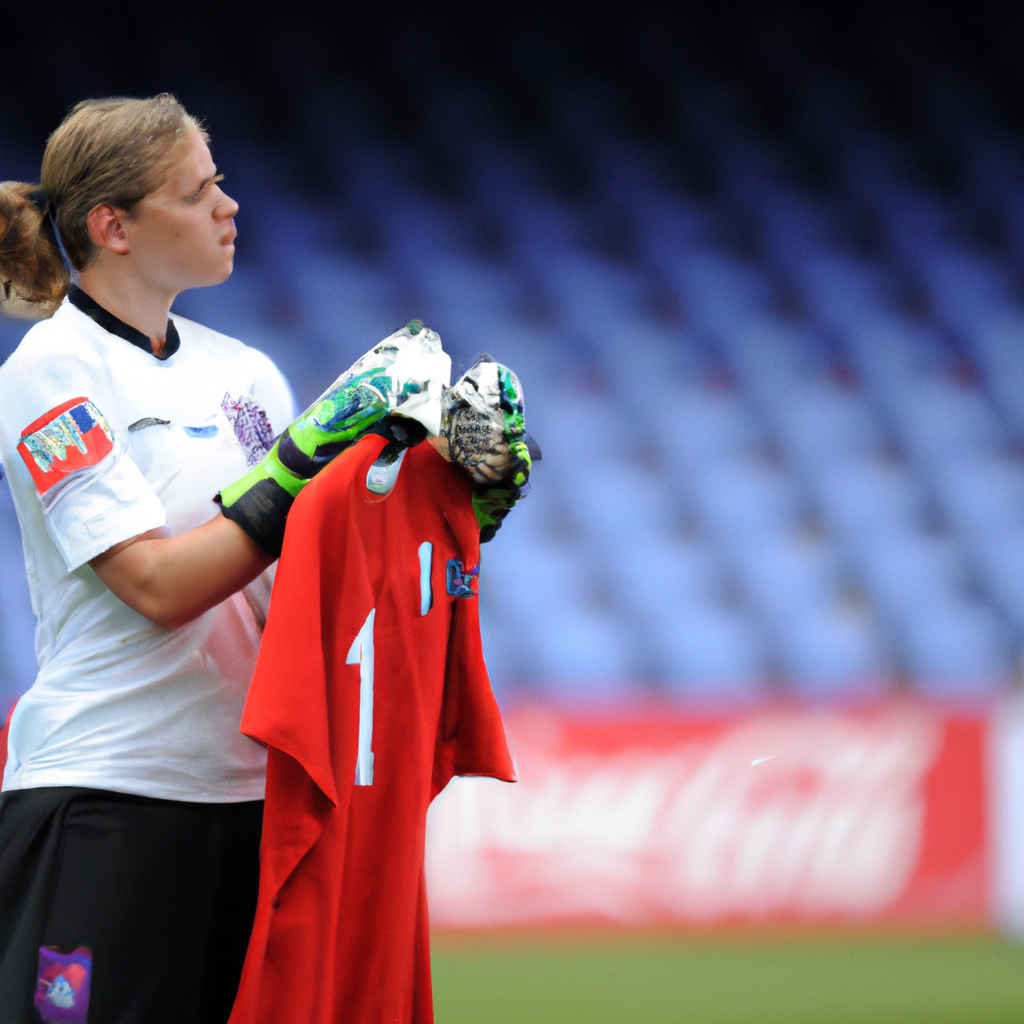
(483, 428)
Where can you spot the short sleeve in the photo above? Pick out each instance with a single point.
(92, 494)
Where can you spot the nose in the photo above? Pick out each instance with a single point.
(227, 207)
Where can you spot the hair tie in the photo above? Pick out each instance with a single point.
(65, 258)
(41, 202)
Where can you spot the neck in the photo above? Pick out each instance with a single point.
(137, 303)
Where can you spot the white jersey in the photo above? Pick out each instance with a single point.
(102, 441)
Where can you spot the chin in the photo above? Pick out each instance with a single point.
(207, 280)
(223, 272)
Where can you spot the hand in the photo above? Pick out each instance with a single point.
(352, 405)
(484, 429)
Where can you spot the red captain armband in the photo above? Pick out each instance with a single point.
(70, 437)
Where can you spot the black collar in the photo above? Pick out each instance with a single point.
(91, 308)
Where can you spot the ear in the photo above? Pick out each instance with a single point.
(107, 228)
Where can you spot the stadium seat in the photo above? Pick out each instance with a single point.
(798, 227)
(995, 342)
(628, 494)
(871, 162)
(982, 495)
(372, 308)
(820, 423)
(669, 227)
(786, 575)
(693, 426)
(864, 499)
(844, 291)
(673, 360)
(658, 577)
(833, 649)
(768, 354)
(956, 649)
(939, 420)
(533, 580)
(572, 426)
(442, 231)
(918, 220)
(588, 292)
(904, 572)
(458, 279)
(1000, 566)
(891, 353)
(743, 499)
(964, 286)
(719, 291)
(711, 652)
(581, 655)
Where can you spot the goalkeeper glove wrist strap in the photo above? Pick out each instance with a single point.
(261, 511)
(260, 500)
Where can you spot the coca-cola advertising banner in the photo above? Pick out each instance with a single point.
(659, 819)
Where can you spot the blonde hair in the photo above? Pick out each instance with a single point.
(105, 151)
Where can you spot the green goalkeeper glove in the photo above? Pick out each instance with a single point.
(483, 425)
(354, 403)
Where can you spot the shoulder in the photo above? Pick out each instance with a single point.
(56, 356)
(224, 348)
(256, 372)
(68, 334)
(212, 343)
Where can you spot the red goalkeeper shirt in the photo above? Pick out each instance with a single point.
(370, 692)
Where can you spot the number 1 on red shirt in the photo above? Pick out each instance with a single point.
(361, 654)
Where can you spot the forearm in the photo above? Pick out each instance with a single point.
(171, 580)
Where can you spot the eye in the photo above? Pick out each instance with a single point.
(204, 188)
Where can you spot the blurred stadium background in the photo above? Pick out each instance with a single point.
(760, 270)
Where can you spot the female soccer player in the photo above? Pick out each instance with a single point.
(130, 811)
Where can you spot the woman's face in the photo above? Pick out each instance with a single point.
(182, 235)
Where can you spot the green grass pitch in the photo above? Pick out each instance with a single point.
(845, 979)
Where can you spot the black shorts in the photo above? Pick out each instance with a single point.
(159, 894)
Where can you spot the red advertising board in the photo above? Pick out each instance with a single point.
(659, 819)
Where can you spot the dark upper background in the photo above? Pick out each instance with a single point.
(736, 251)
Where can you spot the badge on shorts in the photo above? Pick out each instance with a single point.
(69, 438)
(62, 985)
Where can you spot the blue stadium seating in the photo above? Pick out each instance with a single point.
(777, 369)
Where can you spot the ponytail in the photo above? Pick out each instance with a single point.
(33, 277)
